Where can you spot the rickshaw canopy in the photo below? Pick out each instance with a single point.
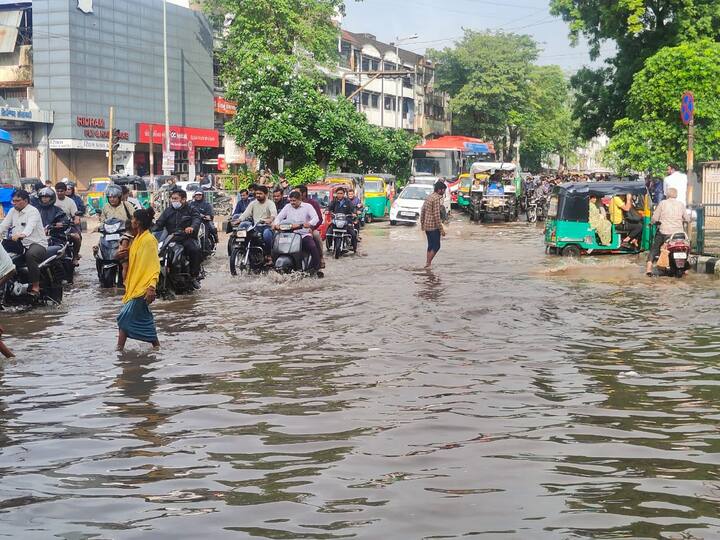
(484, 167)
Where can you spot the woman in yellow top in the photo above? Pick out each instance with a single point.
(135, 320)
(619, 212)
(598, 222)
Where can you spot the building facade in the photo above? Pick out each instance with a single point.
(393, 87)
(91, 55)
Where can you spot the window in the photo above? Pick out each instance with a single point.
(389, 66)
(370, 64)
(389, 103)
(375, 101)
(365, 99)
(408, 81)
(345, 52)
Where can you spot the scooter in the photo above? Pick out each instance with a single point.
(109, 268)
(287, 252)
(339, 237)
(247, 251)
(678, 247)
(15, 290)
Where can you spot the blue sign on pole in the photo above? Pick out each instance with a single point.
(687, 108)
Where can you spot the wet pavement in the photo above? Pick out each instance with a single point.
(505, 394)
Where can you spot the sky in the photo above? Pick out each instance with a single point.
(438, 23)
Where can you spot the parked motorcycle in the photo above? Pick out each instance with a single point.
(175, 277)
(109, 268)
(246, 246)
(339, 235)
(287, 253)
(678, 247)
(15, 290)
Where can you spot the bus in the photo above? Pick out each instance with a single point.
(9, 174)
(449, 158)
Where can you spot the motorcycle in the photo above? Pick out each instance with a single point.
(287, 252)
(109, 268)
(15, 290)
(678, 247)
(246, 248)
(339, 237)
(60, 237)
(175, 277)
(206, 237)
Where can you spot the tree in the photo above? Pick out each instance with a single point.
(547, 125)
(487, 76)
(652, 135)
(639, 29)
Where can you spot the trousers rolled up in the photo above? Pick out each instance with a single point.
(34, 256)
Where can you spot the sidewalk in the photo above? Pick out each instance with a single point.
(706, 265)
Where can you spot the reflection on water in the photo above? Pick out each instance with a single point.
(504, 393)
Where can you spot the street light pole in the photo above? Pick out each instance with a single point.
(399, 105)
(166, 146)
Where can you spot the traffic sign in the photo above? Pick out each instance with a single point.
(168, 162)
(687, 108)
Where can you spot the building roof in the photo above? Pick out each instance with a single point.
(360, 40)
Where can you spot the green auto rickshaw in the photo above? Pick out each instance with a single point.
(463, 198)
(378, 195)
(568, 231)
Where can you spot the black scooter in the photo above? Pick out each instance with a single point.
(15, 290)
(339, 238)
(247, 249)
(175, 277)
(109, 268)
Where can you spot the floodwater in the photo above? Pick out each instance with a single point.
(505, 394)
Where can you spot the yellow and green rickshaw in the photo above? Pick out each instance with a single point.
(95, 198)
(378, 195)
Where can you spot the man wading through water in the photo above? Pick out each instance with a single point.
(135, 320)
(431, 220)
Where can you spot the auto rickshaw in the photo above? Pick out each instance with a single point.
(378, 195)
(136, 185)
(157, 181)
(95, 198)
(355, 180)
(567, 231)
(463, 197)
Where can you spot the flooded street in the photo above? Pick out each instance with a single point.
(506, 394)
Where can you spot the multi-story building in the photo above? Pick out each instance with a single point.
(395, 88)
(71, 60)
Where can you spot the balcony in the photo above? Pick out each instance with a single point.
(16, 68)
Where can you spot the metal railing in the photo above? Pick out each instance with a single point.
(707, 229)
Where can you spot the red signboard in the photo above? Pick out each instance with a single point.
(179, 136)
(95, 128)
(224, 106)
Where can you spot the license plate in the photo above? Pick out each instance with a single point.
(408, 214)
(111, 237)
(680, 255)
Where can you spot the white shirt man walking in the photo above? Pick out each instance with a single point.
(679, 181)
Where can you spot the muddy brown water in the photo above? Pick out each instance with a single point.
(505, 394)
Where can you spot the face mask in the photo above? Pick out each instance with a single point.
(176, 205)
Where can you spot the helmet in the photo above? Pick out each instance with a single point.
(47, 192)
(199, 192)
(113, 190)
(70, 184)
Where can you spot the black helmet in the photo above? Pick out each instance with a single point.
(47, 192)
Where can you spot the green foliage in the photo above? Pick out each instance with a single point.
(304, 175)
(496, 88)
(487, 75)
(652, 135)
(639, 29)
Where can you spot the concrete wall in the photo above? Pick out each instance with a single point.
(85, 63)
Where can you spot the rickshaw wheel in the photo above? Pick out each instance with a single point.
(571, 251)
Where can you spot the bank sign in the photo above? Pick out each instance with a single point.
(26, 115)
(180, 136)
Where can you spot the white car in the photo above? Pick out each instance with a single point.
(407, 206)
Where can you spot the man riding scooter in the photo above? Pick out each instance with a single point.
(206, 210)
(344, 205)
(671, 215)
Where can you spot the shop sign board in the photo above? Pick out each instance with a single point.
(95, 128)
(26, 115)
(81, 144)
(179, 136)
(168, 162)
(225, 106)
